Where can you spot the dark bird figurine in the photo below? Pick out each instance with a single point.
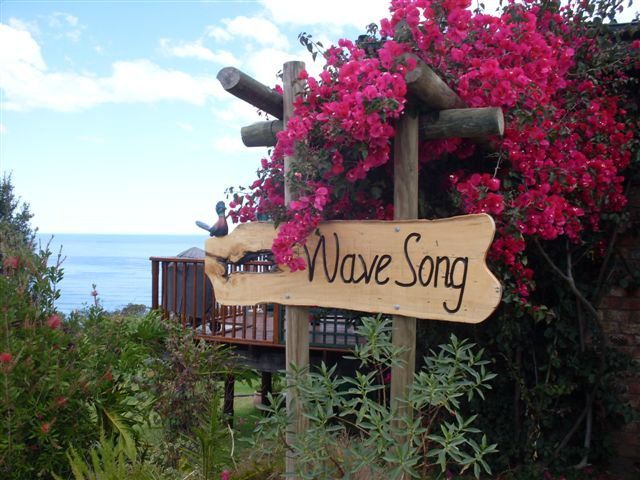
(220, 228)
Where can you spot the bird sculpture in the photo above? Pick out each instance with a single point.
(220, 228)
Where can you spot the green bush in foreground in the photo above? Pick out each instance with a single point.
(354, 432)
(137, 379)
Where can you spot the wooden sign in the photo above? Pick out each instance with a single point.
(431, 269)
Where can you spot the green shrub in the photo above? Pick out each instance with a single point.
(354, 431)
(44, 385)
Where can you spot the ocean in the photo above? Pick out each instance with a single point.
(118, 264)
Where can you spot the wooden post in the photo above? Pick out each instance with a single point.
(266, 387)
(405, 204)
(229, 392)
(296, 318)
(155, 272)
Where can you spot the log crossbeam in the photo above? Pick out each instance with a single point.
(448, 117)
(451, 123)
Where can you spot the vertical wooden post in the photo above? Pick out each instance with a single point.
(266, 387)
(229, 393)
(155, 271)
(405, 204)
(296, 318)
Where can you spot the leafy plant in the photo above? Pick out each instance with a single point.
(110, 460)
(353, 427)
(211, 445)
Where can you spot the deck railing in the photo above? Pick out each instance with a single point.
(183, 292)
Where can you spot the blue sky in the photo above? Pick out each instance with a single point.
(111, 118)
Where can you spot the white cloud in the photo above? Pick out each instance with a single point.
(259, 29)
(265, 63)
(234, 113)
(18, 47)
(27, 83)
(3, 129)
(198, 51)
(61, 19)
(187, 127)
(219, 34)
(18, 24)
(68, 24)
(229, 144)
(340, 13)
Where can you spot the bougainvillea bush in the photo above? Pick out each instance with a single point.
(555, 183)
(556, 172)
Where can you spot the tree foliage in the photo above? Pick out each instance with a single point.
(15, 227)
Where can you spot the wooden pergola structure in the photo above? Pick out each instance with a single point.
(447, 117)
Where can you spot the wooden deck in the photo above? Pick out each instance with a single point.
(182, 291)
(251, 326)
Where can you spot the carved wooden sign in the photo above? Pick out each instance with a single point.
(431, 269)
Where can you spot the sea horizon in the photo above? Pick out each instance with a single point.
(117, 263)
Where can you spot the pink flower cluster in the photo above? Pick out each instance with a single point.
(342, 125)
(555, 172)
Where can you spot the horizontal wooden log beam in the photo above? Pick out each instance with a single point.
(429, 89)
(454, 123)
(261, 134)
(477, 123)
(251, 91)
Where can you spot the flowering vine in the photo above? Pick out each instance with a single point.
(555, 173)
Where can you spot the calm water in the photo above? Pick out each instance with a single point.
(118, 264)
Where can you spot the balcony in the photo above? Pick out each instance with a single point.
(182, 291)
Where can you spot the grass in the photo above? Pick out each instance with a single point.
(246, 414)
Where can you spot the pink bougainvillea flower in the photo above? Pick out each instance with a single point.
(54, 321)
(225, 475)
(566, 143)
(94, 293)
(6, 357)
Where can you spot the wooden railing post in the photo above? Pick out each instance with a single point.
(155, 270)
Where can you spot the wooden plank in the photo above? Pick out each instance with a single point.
(251, 91)
(405, 207)
(296, 318)
(431, 269)
(451, 123)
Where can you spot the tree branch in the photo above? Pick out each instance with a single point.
(568, 279)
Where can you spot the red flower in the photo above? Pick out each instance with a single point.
(61, 401)
(45, 427)
(54, 321)
(10, 263)
(6, 357)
